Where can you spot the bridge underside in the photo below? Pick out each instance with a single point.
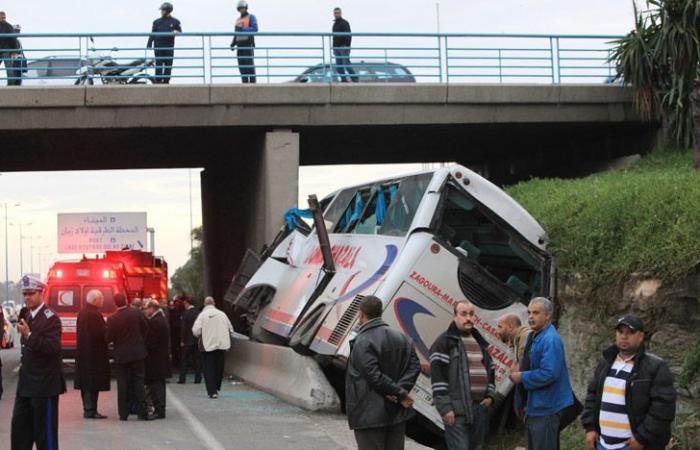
(251, 148)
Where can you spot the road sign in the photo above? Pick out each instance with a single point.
(99, 232)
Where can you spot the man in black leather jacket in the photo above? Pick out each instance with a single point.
(382, 369)
(631, 399)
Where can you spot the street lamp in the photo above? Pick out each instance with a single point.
(31, 251)
(7, 256)
(21, 244)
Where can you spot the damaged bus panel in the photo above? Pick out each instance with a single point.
(420, 243)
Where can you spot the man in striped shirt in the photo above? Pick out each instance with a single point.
(463, 378)
(630, 403)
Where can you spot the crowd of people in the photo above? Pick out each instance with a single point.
(142, 334)
(163, 45)
(629, 405)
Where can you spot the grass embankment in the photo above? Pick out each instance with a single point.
(610, 225)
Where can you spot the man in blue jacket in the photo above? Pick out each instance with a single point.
(246, 23)
(543, 377)
(164, 46)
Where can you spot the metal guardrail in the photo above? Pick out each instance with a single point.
(123, 58)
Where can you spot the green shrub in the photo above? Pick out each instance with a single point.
(607, 226)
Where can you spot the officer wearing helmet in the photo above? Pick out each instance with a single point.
(35, 414)
(246, 23)
(164, 46)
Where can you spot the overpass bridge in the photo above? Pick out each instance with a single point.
(251, 139)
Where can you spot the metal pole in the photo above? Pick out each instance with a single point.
(7, 261)
(190, 189)
(152, 232)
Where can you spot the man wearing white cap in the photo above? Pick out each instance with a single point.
(35, 415)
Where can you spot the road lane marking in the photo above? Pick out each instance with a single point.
(197, 427)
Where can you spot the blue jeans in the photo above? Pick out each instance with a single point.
(464, 436)
(600, 447)
(343, 64)
(543, 432)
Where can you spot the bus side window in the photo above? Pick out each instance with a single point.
(403, 204)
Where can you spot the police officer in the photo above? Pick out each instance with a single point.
(35, 415)
(164, 48)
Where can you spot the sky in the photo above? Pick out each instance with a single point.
(164, 194)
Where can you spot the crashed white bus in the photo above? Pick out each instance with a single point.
(419, 243)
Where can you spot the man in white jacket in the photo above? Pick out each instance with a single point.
(216, 332)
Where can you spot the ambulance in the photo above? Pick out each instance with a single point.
(420, 243)
(134, 273)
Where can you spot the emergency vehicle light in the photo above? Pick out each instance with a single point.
(59, 273)
(109, 274)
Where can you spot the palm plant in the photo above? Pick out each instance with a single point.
(660, 58)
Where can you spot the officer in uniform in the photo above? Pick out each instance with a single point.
(164, 48)
(35, 415)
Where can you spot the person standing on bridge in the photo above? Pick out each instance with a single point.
(216, 332)
(158, 358)
(127, 329)
(164, 46)
(35, 414)
(8, 47)
(92, 357)
(382, 369)
(246, 23)
(341, 47)
(463, 378)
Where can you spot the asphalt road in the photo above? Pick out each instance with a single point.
(241, 418)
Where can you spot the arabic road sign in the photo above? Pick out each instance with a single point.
(99, 232)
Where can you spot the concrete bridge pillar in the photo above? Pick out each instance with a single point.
(245, 192)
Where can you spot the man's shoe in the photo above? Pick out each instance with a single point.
(124, 419)
(94, 415)
(214, 396)
(180, 381)
(147, 417)
(198, 381)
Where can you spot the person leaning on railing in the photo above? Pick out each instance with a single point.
(341, 47)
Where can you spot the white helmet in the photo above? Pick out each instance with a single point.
(242, 4)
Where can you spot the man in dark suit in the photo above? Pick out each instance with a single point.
(35, 415)
(127, 329)
(157, 359)
(92, 358)
(190, 352)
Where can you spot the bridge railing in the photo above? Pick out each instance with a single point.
(202, 58)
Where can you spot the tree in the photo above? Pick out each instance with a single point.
(660, 59)
(189, 279)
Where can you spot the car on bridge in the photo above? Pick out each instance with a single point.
(381, 72)
(55, 70)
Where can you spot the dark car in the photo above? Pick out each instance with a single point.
(383, 72)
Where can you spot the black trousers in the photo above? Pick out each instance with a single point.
(190, 357)
(246, 64)
(156, 391)
(130, 380)
(35, 421)
(383, 438)
(89, 401)
(164, 65)
(213, 363)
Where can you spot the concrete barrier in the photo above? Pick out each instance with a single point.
(282, 372)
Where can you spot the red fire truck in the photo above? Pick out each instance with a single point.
(134, 273)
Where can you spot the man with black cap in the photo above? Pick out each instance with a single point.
(631, 401)
(35, 415)
(164, 46)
